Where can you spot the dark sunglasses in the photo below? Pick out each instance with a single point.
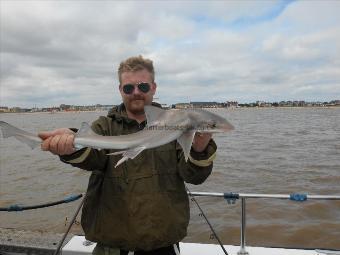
(142, 86)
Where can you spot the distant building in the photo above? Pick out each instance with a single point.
(206, 104)
(4, 109)
(65, 107)
(263, 104)
(18, 109)
(335, 102)
(182, 105)
(230, 104)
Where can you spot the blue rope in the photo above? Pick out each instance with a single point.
(72, 198)
(14, 208)
(18, 208)
(298, 197)
(231, 197)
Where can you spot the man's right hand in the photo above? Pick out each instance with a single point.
(59, 141)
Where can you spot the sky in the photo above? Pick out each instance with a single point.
(68, 52)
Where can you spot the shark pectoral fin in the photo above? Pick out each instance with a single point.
(129, 154)
(185, 140)
(121, 161)
(152, 113)
(116, 153)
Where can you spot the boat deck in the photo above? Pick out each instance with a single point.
(17, 242)
(79, 246)
(14, 241)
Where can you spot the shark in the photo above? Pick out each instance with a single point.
(163, 126)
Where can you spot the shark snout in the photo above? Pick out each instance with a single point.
(226, 127)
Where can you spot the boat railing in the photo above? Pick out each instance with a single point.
(232, 197)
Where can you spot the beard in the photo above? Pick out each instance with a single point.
(136, 104)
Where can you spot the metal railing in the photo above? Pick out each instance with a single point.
(243, 196)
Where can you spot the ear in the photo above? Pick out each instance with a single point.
(120, 89)
(153, 88)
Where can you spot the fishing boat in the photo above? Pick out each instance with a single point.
(15, 242)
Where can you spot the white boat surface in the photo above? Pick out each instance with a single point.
(78, 245)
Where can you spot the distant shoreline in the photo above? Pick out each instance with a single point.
(55, 112)
(291, 107)
(227, 108)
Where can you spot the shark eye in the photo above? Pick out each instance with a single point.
(211, 125)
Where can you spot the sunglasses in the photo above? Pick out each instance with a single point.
(142, 86)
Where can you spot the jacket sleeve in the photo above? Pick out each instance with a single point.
(88, 158)
(199, 165)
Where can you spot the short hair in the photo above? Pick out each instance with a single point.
(134, 64)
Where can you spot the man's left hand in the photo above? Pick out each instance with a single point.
(201, 141)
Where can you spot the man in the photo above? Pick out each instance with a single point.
(141, 206)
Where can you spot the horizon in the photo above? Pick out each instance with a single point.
(219, 102)
(55, 52)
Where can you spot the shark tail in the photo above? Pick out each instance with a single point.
(8, 130)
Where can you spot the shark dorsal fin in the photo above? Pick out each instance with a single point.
(152, 113)
(85, 130)
(185, 140)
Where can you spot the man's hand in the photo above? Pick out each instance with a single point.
(201, 141)
(59, 141)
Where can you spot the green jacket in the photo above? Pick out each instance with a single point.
(142, 204)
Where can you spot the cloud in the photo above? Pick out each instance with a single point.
(56, 52)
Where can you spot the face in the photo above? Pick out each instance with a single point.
(135, 101)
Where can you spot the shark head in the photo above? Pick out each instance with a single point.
(195, 119)
(209, 122)
(189, 121)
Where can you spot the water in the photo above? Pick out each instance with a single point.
(283, 150)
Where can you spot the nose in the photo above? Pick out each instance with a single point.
(136, 91)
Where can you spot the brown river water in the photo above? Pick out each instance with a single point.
(281, 150)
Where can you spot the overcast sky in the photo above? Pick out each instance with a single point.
(67, 52)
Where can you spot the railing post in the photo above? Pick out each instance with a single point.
(243, 228)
